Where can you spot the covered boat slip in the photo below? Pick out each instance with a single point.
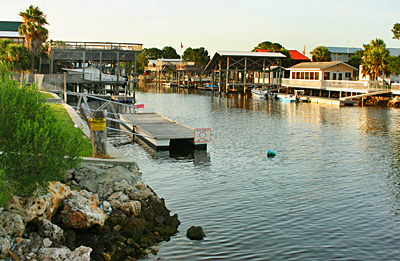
(236, 70)
(160, 132)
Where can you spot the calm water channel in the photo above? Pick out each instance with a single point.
(332, 191)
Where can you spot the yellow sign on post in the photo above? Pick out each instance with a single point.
(97, 124)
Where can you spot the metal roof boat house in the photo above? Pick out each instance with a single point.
(105, 56)
(236, 70)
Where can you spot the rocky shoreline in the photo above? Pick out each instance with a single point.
(98, 212)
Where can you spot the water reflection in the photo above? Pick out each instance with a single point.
(332, 191)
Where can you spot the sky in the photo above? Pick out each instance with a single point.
(217, 25)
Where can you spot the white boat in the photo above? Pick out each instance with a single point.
(93, 73)
(287, 97)
(262, 93)
(296, 97)
(259, 93)
(170, 84)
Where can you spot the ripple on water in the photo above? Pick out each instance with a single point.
(330, 193)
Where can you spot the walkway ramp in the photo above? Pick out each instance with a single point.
(159, 131)
(364, 95)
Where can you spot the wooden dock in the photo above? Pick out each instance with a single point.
(160, 132)
(331, 101)
(365, 95)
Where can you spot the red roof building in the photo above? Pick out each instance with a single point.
(294, 54)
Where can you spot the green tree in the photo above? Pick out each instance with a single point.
(394, 64)
(396, 31)
(33, 22)
(198, 55)
(147, 54)
(356, 59)
(168, 52)
(36, 148)
(15, 55)
(321, 54)
(375, 59)
(267, 45)
(276, 48)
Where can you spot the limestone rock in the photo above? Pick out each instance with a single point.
(195, 233)
(47, 242)
(82, 253)
(107, 179)
(81, 211)
(12, 223)
(58, 192)
(4, 245)
(39, 206)
(27, 207)
(131, 208)
(53, 232)
(2, 231)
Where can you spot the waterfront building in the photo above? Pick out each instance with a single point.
(343, 54)
(9, 30)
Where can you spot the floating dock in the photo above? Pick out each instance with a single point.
(331, 101)
(160, 132)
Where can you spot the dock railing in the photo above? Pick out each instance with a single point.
(337, 85)
(97, 46)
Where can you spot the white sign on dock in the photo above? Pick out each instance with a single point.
(202, 135)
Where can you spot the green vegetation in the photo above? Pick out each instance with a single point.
(321, 54)
(46, 95)
(33, 22)
(275, 48)
(198, 55)
(15, 56)
(36, 147)
(356, 59)
(63, 117)
(375, 59)
(396, 31)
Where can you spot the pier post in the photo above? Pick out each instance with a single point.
(98, 133)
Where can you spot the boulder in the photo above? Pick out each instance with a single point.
(12, 223)
(5, 244)
(131, 208)
(51, 231)
(81, 211)
(106, 179)
(34, 206)
(195, 233)
(27, 207)
(2, 231)
(58, 192)
(82, 253)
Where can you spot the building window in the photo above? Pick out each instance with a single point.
(347, 75)
(316, 76)
(293, 75)
(307, 76)
(297, 75)
(327, 76)
(311, 75)
(334, 76)
(302, 75)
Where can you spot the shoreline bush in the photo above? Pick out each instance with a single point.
(35, 146)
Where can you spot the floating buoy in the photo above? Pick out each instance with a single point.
(270, 153)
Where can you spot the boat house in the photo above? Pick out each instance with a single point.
(236, 71)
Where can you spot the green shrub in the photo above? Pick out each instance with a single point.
(5, 189)
(36, 148)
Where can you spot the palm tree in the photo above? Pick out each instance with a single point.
(15, 55)
(321, 54)
(33, 28)
(375, 59)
